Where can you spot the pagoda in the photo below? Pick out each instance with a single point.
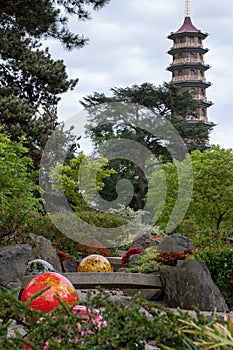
(188, 67)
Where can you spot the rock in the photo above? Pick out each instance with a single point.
(13, 264)
(133, 259)
(143, 240)
(70, 265)
(137, 245)
(190, 284)
(148, 294)
(175, 243)
(43, 250)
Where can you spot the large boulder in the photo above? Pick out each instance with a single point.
(69, 265)
(143, 241)
(44, 250)
(190, 284)
(13, 264)
(175, 243)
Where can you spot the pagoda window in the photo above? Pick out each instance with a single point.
(191, 72)
(180, 72)
(199, 40)
(182, 40)
(202, 92)
(203, 112)
(191, 56)
(180, 56)
(190, 40)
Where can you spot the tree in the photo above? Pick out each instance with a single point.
(80, 180)
(211, 206)
(108, 123)
(16, 184)
(30, 80)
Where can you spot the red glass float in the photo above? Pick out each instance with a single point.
(60, 289)
(94, 263)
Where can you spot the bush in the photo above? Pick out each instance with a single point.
(147, 263)
(130, 326)
(220, 263)
(170, 258)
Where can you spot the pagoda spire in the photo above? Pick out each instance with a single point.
(187, 12)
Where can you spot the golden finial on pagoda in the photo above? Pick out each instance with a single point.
(186, 8)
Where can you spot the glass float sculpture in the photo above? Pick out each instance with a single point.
(60, 289)
(94, 263)
(37, 266)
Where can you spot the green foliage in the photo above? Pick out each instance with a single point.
(211, 206)
(17, 188)
(220, 264)
(80, 181)
(147, 263)
(214, 336)
(130, 325)
(42, 225)
(151, 260)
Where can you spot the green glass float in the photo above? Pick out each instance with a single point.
(94, 263)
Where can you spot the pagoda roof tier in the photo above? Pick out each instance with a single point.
(189, 29)
(192, 83)
(204, 103)
(190, 48)
(195, 121)
(172, 67)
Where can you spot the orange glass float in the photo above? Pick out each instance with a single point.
(94, 263)
(60, 289)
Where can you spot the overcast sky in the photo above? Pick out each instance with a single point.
(128, 44)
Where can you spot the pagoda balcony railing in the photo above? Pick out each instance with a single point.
(188, 60)
(197, 119)
(189, 78)
(179, 45)
(200, 98)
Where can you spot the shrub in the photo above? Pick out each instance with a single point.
(171, 258)
(220, 264)
(147, 263)
(129, 326)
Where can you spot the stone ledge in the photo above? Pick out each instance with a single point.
(88, 280)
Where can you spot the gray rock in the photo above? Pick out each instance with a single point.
(190, 284)
(133, 259)
(70, 265)
(13, 264)
(144, 240)
(137, 245)
(175, 243)
(44, 250)
(148, 294)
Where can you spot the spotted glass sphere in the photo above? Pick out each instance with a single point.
(60, 289)
(37, 266)
(94, 263)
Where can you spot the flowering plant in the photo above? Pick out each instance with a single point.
(170, 258)
(160, 238)
(63, 256)
(129, 253)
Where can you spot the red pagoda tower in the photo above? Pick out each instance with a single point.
(188, 67)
